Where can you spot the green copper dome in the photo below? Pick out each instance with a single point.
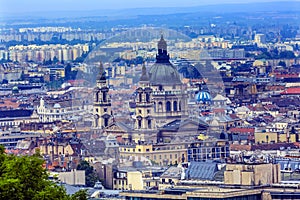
(164, 74)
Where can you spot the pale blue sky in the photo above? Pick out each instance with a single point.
(24, 6)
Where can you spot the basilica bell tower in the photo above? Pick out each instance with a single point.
(144, 103)
(102, 103)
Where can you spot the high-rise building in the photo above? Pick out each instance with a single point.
(260, 38)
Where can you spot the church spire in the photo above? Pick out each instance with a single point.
(144, 76)
(101, 75)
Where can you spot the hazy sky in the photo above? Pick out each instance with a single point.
(24, 6)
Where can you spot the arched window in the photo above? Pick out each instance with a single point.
(140, 97)
(96, 122)
(154, 105)
(179, 106)
(105, 122)
(104, 96)
(96, 97)
(139, 123)
(149, 123)
(160, 109)
(160, 87)
(147, 97)
(168, 106)
(175, 105)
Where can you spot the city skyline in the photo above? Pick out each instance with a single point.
(149, 99)
(32, 6)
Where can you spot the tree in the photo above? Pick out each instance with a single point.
(282, 63)
(55, 60)
(287, 54)
(68, 70)
(23, 177)
(90, 175)
(80, 195)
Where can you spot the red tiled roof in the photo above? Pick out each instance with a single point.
(287, 75)
(205, 113)
(271, 106)
(9, 104)
(291, 91)
(219, 110)
(275, 87)
(256, 108)
(233, 116)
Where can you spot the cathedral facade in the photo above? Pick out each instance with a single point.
(161, 106)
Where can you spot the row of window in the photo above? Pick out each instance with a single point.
(58, 110)
(168, 106)
(159, 157)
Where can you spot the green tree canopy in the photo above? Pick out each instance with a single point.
(282, 63)
(23, 177)
(90, 175)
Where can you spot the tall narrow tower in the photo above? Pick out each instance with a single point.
(102, 103)
(144, 103)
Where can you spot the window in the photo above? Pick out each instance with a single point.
(105, 109)
(149, 123)
(106, 122)
(175, 105)
(160, 87)
(160, 107)
(179, 108)
(104, 96)
(147, 97)
(168, 106)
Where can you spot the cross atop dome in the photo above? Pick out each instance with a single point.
(162, 44)
(162, 56)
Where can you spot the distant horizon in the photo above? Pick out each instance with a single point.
(21, 7)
